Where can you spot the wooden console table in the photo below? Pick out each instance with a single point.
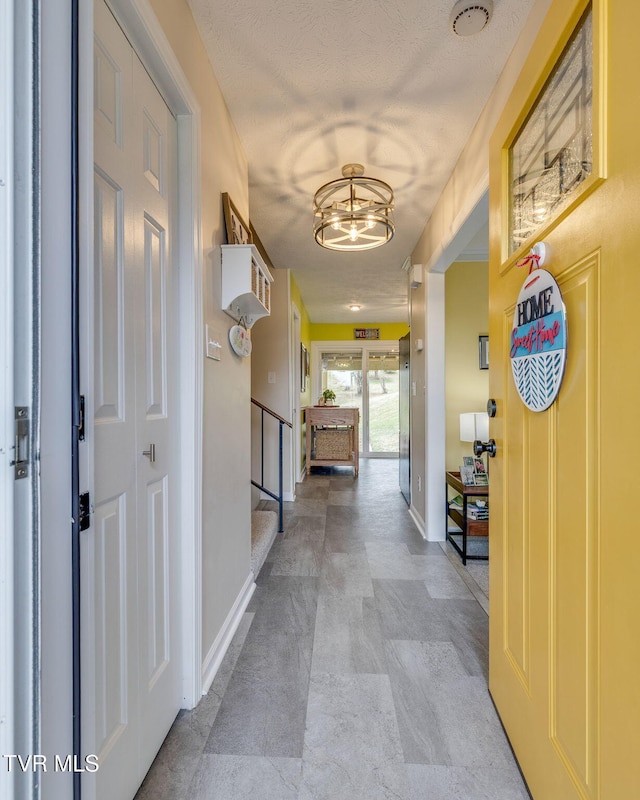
(470, 527)
(332, 437)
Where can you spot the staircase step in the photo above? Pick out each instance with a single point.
(264, 529)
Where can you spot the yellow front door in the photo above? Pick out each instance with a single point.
(565, 530)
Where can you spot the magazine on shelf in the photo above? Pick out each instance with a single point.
(477, 509)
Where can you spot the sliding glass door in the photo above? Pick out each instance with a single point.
(383, 403)
(365, 377)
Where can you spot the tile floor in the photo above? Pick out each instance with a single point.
(359, 671)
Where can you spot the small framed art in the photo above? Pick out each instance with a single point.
(238, 232)
(304, 367)
(483, 352)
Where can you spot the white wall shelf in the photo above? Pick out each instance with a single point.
(246, 283)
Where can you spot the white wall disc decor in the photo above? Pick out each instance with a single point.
(539, 341)
(240, 341)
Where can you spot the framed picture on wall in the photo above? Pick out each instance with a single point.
(483, 352)
(238, 232)
(304, 367)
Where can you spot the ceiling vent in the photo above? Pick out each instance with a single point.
(469, 18)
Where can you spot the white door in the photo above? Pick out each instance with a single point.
(130, 681)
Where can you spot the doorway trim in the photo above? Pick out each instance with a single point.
(7, 628)
(468, 222)
(149, 41)
(297, 467)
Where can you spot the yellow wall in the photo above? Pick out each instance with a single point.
(466, 318)
(333, 332)
(305, 334)
(305, 322)
(305, 338)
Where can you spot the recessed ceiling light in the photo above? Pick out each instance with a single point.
(354, 307)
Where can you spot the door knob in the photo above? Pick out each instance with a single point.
(150, 453)
(485, 447)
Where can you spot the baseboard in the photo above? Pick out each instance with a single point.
(216, 653)
(418, 521)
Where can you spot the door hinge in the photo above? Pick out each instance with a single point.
(84, 511)
(21, 461)
(81, 419)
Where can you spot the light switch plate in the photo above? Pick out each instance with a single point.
(213, 341)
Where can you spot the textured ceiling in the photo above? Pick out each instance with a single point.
(312, 86)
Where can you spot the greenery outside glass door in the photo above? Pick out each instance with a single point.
(383, 401)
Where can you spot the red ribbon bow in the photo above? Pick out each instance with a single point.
(531, 259)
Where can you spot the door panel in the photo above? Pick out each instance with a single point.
(110, 642)
(152, 151)
(158, 582)
(108, 283)
(564, 559)
(108, 104)
(574, 589)
(155, 341)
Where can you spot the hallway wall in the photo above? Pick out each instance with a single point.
(270, 359)
(343, 331)
(417, 301)
(470, 178)
(305, 339)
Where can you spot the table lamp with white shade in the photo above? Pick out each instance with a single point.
(474, 427)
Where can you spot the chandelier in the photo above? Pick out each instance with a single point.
(354, 212)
